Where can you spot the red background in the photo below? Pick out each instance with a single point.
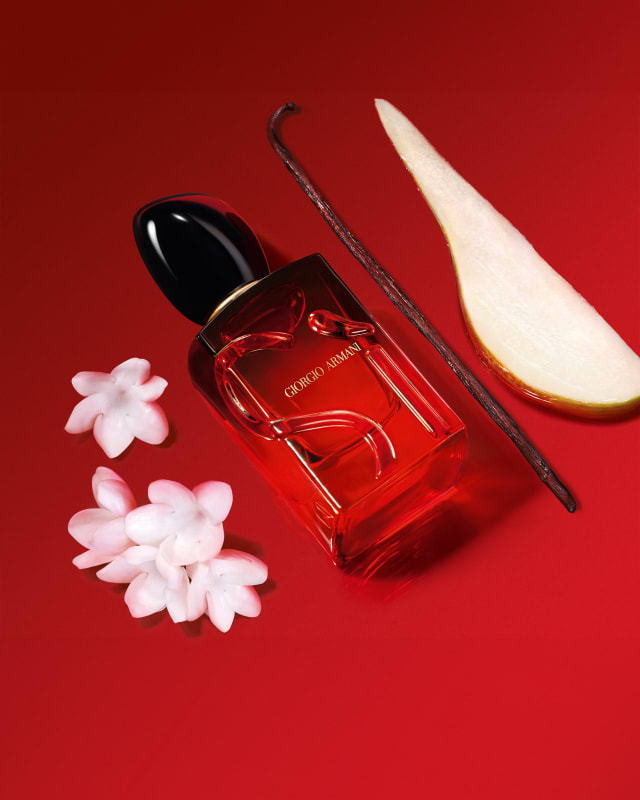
(503, 662)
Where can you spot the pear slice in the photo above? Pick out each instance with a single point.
(529, 325)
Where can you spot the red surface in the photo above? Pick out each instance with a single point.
(504, 662)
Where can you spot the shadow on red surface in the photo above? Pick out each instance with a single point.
(493, 481)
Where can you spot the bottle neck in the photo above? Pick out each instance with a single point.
(230, 297)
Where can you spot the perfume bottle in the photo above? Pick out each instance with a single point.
(340, 422)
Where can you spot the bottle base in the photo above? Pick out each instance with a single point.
(348, 532)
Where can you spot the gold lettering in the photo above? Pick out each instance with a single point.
(318, 372)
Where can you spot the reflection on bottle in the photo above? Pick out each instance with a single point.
(280, 308)
(328, 324)
(414, 400)
(248, 408)
(372, 433)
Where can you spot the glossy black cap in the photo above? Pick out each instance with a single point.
(198, 251)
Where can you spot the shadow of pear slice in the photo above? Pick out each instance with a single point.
(528, 324)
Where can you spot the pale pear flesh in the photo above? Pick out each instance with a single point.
(529, 323)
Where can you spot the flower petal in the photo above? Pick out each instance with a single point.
(115, 496)
(84, 524)
(174, 575)
(150, 524)
(216, 498)
(86, 383)
(147, 422)
(91, 558)
(152, 389)
(140, 554)
(111, 538)
(172, 493)
(220, 613)
(243, 600)
(85, 413)
(197, 540)
(177, 601)
(197, 590)
(112, 432)
(132, 372)
(145, 595)
(118, 571)
(236, 567)
(103, 474)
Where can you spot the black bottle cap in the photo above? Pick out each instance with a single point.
(198, 251)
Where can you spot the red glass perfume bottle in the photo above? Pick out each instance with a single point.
(340, 422)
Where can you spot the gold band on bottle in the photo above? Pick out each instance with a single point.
(235, 293)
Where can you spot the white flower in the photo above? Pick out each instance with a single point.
(148, 590)
(119, 406)
(185, 526)
(222, 587)
(101, 530)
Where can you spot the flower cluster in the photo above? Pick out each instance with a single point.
(168, 551)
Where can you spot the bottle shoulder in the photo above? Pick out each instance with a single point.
(279, 300)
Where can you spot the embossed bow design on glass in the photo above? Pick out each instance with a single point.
(251, 412)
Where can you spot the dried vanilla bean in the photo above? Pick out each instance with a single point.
(403, 302)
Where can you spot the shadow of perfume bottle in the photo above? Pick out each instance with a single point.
(485, 492)
(493, 481)
(275, 256)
